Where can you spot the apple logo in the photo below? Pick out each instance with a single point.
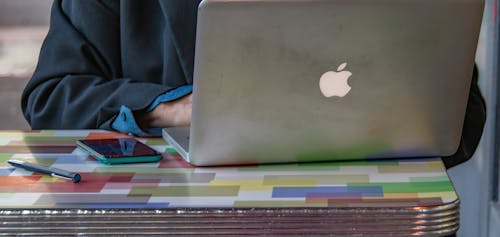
(335, 83)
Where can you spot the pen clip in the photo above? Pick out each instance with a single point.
(59, 176)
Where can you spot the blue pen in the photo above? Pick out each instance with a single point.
(75, 177)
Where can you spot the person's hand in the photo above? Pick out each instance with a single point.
(169, 114)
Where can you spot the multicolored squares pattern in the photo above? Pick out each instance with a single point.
(174, 183)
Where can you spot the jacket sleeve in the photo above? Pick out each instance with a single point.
(475, 119)
(78, 81)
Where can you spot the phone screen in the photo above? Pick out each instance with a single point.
(118, 148)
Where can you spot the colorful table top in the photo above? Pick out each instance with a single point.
(173, 183)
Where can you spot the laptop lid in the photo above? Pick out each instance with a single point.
(297, 80)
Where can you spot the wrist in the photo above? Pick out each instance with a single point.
(157, 117)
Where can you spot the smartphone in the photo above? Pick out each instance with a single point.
(119, 150)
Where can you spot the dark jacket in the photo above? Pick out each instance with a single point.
(99, 55)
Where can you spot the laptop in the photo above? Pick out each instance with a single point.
(301, 81)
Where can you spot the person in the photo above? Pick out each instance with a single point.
(121, 65)
(128, 66)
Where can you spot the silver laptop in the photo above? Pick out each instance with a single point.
(301, 80)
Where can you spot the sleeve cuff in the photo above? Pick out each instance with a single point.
(126, 123)
(171, 95)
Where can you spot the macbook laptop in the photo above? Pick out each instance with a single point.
(299, 80)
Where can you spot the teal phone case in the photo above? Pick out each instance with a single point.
(119, 160)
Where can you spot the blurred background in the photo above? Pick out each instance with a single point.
(24, 24)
